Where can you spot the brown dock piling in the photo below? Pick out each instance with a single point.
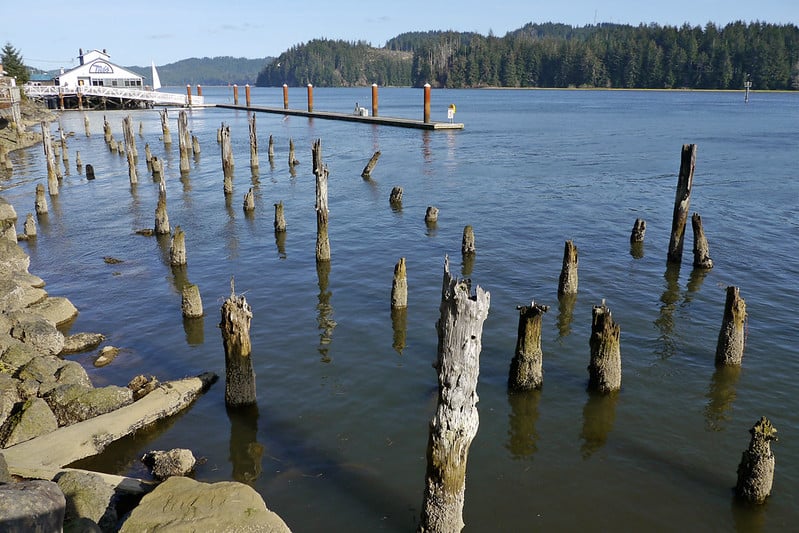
(310, 98)
(455, 422)
(604, 370)
(184, 141)
(426, 113)
(270, 150)
(756, 469)
(431, 215)
(292, 159)
(639, 231)
(374, 99)
(285, 96)
(399, 286)
(199, 90)
(526, 368)
(568, 281)
(701, 250)
(41, 200)
(235, 94)
(157, 167)
(227, 155)
(195, 145)
(467, 242)
(247, 94)
(89, 172)
(395, 198)
(321, 173)
(253, 140)
(239, 373)
(732, 337)
(177, 248)
(367, 170)
(86, 128)
(165, 128)
(682, 202)
(249, 201)
(280, 221)
(148, 155)
(191, 303)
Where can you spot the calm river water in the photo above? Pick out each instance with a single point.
(346, 391)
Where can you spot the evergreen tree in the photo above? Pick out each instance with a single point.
(13, 65)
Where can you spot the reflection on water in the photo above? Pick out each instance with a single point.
(324, 308)
(246, 452)
(467, 264)
(565, 312)
(721, 396)
(194, 328)
(637, 250)
(399, 325)
(695, 281)
(599, 414)
(522, 435)
(280, 243)
(231, 236)
(669, 299)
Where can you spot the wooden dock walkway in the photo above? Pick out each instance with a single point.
(330, 115)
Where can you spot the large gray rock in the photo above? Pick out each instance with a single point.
(181, 504)
(33, 420)
(38, 332)
(73, 372)
(9, 396)
(12, 257)
(76, 403)
(42, 369)
(90, 501)
(8, 219)
(164, 464)
(5, 475)
(31, 506)
(16, 354)
(82, 342)
(15, 295)
(56, 309)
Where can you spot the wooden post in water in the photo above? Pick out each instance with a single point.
(455, 422)
(191, 303)
(239, 373)
(227, 159)
(310, 98)
(285, 96)
(467, 242)
(89, 172)
(254, 163)
(526, 368)
(682, 202)
(567, 284)
(141, 130)
(199, 90)
(732, 337)
(177, 248)
(80, 101)
(292, 159)
(374, 99)
(395, 198)
(639, 231)
(52, 171)
(41, 201)
(165, 128)
(148, 155)
(280, 221)
(247, 94)
(249, 201)
(157, 168)
(107, 129)
(756, 469)
(188, 95)
(270, 150)
(367, 170)
(161, 216)
(701, 250)
(235, 94)
(604, 370)
(426, 114)
(195, 145)
(130, 149)
(431, 215)
(29, 227)
(86, 128)
(64, 148)
(399, 286)
(184, 141)
(321, 173)
(78, 161)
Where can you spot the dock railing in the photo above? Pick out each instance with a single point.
(127, 93)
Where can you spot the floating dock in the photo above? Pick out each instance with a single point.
(350, 117)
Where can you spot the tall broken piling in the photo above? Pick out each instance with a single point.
(177, 248)
(130, 149)
(367, 170)
(165, 128)
(184, 142)
(467, 242)
(49, 156)
(280, 220)
(732, 337)
(321, 173)
(454, 425)
(399, 286)
(239, 373)
(161, 216)
(41, 200)
(526, 368)
(756, 469)
(227, 159)
(191, 303)
(567, 284)
(604, 370)
(253, 143)
(701, 250)
(682, 201)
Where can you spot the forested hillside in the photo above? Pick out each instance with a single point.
(557, 55)
(206, 71)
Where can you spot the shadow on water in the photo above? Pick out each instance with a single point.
(599, 414)
(194, 328)
(637, 250)
(324, 309)
(399, 325)
(695, 281)
(565, 313)
(246, 453)
(522, 435)
(721, 396)
(669, 299)
(748, 517)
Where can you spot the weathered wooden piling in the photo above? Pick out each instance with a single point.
(568, 281)
(526, 368)
(235, 94)
(455, 422)
(682, 202)
(29, 228)
(41, 200)
(395, 198)
(254, 163)
(732, 337)
(431, 215)
(293, 160)
(374, 99)
(219, 134)
(165, 127)
(280, 221)
(191, 303)
(310, 98)
(227, 153)
(399, 286)
(157, 167)
(148, 155)
(64, 148)
(141, 129)
(89, 172)
(106, 130)
(639, 231)
(756, 469)
(270, 151)
(78, 161)
(701, 250)
(52, 168)
(195, 145)
(367, 170)
(161, 216)
(249, 201)
(285, 96)
(604, 370)
(321, 173)
(86, 127)
(177, 248)
(239, 373)
(426, 111)
(467, 242)
(184, 141)
(130, 148)
(113, 145)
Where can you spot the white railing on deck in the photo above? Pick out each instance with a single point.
(156, 97)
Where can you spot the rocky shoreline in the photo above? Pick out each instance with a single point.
(51, 414)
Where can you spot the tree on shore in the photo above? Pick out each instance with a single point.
(13, 65)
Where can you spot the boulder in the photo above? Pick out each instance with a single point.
(82, 342)
(73, 372)
(59, 399)
(90, 501)
(12, 258)
(93, 402)
(8, 219)
(182, 504)
(42, 369)
(31, 506)
(56, 309)
(107, 354)
(33, 420)
(177, 462)
(15, 295)
(9, 396)
(5, 475)
(16, 354)
(38, 332)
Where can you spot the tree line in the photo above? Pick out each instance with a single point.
(556, 55)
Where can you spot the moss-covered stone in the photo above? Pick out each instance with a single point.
(33, 420)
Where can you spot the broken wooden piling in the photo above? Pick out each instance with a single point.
(526, 368)
(89, 172)
(280, 221)
(455, 422)
(467, 242)
(292, 159)
(270, 151)
(701, 250)
(52, 172)
(249, 201)
(604, 370)
(399, 286)
(184, 141)
(431, 215)
(195, 145)
(239, 373)
(395, 198)
(41, 200)
(191, 303)
(321, 173)
(756, 469)
(682, 202)
(86, 128)
(161, 216)
(253, 143)
(732, 337)
(157, 167)
(148, 155)
(107, 129)
(29, 228)
(130, 149)
(227, 157)
(367, 170)
(165, 128)
(177, 248)
(568, 281)
(639, 231)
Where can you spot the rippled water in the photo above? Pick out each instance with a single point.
(345, 393)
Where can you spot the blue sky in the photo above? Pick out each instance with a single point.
(49, 33)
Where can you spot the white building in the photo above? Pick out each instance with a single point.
(95, 69)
